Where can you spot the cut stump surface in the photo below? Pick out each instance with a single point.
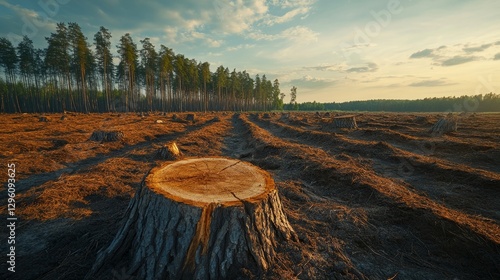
(206, 218)
(210, 180)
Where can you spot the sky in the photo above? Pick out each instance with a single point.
(331, 50)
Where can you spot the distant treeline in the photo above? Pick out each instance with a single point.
(74, 75)
(477, 103)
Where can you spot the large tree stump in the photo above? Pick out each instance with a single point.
(345, 122)
(199, 219)
(444, 125)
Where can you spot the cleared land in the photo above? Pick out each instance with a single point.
(386, 200)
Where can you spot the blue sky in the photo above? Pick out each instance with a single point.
(332, 51)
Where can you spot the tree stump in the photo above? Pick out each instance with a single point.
(44, 119)
(190, 117)
(266, 116)
(106, 136)
(444, 125)
(345, 122)
(169, 151)
(205, 218)
(284, 116)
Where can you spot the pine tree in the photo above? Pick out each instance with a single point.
(8, 60)
(128, 65)
(105, 63)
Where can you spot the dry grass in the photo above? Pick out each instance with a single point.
(356, 214)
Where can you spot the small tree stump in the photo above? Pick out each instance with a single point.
(345, 122)
(190, 117)
(284, 116)
(43, 119)
(205, 218)
(266, 116)
(444, 125)
(106, 136)
(421, 119)
(169, 151)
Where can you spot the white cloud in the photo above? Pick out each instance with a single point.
(32, 20)
(290, 15)
(292, 3)
(239, 47)
(430, 83)
(238, 16)
(297, 33)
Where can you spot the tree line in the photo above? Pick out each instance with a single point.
(73, 75)
(489, 102)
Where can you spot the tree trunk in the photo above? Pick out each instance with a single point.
(203, 218)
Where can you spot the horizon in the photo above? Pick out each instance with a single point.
(332, 52)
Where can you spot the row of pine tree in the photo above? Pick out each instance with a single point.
(73, 75)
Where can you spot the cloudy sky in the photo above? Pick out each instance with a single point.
(332, 51)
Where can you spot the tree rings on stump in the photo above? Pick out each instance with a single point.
(207, 218)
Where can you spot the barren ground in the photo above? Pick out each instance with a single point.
(386, 201)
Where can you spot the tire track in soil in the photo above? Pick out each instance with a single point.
(414, 218)
(302, 258)
(452, 184)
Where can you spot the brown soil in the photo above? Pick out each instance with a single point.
(388, 200)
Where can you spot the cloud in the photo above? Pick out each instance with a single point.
(297, 33)
(30, 22)
(272, 20)
(456, 60)
(239, 47)
(309, 82)
(239, 16)
(292, 3)
(326, 67)
(477, 49)
(343, 68)
(370, 67)
(497, 56)
(423, 53)
(430, 83)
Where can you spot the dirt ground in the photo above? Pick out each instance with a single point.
(388, 200)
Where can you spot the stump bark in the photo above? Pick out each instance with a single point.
(345, 122)
(169, 151)
(203, 218)
(191, 117)
(444, 125)
(106, 136)
(44, 119)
